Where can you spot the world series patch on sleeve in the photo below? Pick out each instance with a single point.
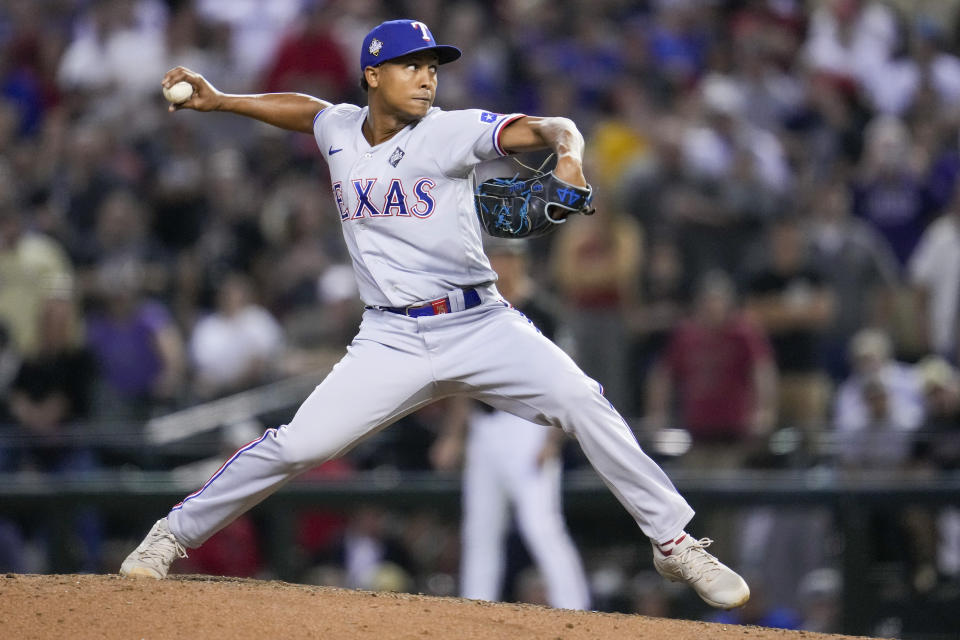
(535, 206)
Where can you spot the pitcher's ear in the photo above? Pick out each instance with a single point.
(371, 75)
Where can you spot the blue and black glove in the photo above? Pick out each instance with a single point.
(515, 208)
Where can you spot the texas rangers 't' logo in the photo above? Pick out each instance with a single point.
(375, 46)
(424, 31)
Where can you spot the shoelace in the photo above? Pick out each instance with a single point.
(159, 549)
(696, 563)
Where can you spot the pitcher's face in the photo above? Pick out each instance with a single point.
(406, 86)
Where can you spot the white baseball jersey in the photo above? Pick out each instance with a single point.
(412, 235)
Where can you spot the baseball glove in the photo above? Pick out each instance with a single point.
(515, 208)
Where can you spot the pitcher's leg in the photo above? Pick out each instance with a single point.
(531, 377)
(371, 387)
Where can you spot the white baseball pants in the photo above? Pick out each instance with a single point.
(397, 364)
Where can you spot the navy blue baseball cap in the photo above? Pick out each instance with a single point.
(397, 38)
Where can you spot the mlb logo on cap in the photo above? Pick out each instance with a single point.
(397, 38)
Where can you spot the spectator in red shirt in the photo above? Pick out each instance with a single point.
(721, 366)
(309, 59)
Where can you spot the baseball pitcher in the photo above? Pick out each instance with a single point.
(434, 325)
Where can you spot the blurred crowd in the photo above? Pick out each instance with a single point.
(776, 257)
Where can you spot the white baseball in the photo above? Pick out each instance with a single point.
(180, 92)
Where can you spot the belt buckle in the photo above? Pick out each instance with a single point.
(440, 306)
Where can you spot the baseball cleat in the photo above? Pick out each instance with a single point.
(688, 561)
(152, 559)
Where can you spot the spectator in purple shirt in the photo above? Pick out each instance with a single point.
(890, 192)
(138, 347)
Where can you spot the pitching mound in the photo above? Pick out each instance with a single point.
(200, 607)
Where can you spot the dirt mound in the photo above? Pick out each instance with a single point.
(200, 607)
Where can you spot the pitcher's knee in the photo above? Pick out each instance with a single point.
(580, 395)
(298, 456)
(578, 388)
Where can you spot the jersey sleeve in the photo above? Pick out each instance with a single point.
(467, 138)
(327, 118)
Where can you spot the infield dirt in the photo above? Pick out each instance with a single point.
(77, 607)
